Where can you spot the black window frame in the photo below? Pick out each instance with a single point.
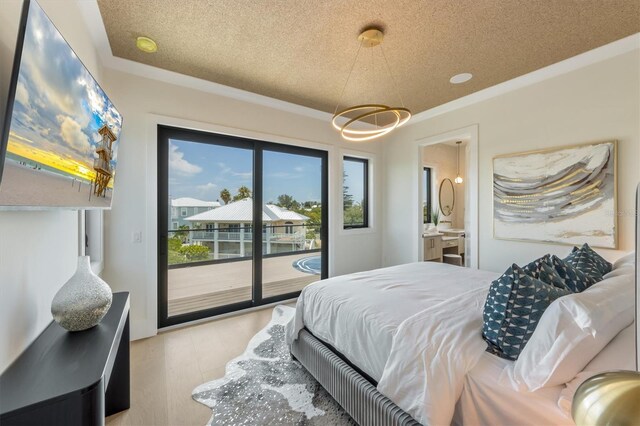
(365, 193)
(166, 132)
(427, 173)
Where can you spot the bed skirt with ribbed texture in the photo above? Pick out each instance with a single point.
(354, 393)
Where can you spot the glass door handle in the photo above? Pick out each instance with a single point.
(163, 245)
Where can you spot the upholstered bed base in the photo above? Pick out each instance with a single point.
(354, 393)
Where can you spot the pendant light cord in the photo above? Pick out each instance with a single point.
(395, 83)
(348, 78)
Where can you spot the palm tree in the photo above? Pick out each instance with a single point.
(225, 195)
(243, 192)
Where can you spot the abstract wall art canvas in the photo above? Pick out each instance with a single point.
(565, 195)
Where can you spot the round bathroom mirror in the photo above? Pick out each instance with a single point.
(447, 197)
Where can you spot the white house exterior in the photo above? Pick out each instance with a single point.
(182, 208)
(226, 230)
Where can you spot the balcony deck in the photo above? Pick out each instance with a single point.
(201, 287)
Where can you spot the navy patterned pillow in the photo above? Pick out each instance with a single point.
(583, 260)
(542, 269)
(514, 306)
(601, 263)
(574, 278)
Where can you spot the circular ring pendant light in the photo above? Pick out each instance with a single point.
(364, 126)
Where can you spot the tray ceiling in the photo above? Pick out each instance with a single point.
(301, 51)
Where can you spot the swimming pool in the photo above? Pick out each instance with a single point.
(309, 265)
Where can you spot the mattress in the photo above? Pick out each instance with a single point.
(485, 402)
(358, 314)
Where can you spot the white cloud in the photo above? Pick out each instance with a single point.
(298, 169)
(73, 135)
(22, 95)
(207, 186)
(178, 164)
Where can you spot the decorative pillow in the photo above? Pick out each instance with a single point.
(542, 269)
(588, 261)
(514, 305)
(575, 279)
(573, 331)
(602, 264)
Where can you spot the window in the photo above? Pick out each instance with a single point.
(426, 203)
(175, 225)
(289, 227)
(355, 193)
(183, 212)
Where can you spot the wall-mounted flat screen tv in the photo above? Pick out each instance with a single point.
(60, 136)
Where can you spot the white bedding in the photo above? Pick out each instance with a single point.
(483, 402)
(416, 330)
(359, 314)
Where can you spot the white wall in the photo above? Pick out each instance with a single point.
(144, 103)
(38, 250)
(595, 103)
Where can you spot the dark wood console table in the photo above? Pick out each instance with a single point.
(66, 378)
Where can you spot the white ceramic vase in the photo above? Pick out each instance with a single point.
(83, 300)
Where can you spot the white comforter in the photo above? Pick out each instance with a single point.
(414, 328)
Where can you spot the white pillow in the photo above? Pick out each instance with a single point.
(617, 355)
(573, 330)
(627, 259)
(625, 268)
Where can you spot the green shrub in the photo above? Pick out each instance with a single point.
(193, 253)
(176, 258)
(174, 243)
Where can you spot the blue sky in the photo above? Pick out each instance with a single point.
(202, 171)
(353, 178)
(58, 105)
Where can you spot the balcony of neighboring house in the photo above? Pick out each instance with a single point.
(273, 234)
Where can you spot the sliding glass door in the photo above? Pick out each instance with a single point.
(241, 223)
(292, 254)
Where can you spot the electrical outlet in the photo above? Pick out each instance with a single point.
(137, 237)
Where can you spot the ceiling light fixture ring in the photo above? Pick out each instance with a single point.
(365, 135)
(343, 114)
(370, 37)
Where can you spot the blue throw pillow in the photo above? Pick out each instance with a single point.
(574, 278)
(542, 269)
(514, 306)
(588, 261)
(601, 263)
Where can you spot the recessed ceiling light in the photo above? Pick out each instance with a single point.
(146, 45)
(460, 78)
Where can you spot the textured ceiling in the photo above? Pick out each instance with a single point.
(301, 51)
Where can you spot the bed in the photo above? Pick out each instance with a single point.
(371, 340)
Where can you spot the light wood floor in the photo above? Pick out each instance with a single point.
(199, 287)
(167, 367)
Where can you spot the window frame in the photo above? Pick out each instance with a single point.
(428, 192)
(365, 193)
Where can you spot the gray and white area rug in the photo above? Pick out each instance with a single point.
(265, 386)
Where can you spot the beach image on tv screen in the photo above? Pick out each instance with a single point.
(63, 140)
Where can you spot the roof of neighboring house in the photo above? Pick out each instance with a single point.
(193, 202)
(242, 211)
